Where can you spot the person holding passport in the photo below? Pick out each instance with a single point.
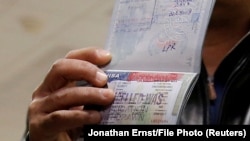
(220, 97)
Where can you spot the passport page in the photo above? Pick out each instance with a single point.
(156, 47)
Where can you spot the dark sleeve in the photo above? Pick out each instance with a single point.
(27, 137)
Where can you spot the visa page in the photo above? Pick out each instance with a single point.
(156, 47)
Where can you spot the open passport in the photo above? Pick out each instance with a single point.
(156, 47)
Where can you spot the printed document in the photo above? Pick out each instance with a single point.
(156, 47)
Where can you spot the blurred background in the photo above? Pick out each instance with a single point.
(33, 34)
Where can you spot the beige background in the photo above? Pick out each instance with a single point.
(33, 34)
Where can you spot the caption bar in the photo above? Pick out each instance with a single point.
(206, 132)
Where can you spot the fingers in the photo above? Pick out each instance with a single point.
(78, 118)
(56, 103)
(78, 64)
(50, 125)
(68, 70)
(74, 97)
(59, 111)
(94, 55)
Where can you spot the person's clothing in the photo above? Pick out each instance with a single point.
(232, 85)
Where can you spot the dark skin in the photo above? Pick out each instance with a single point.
(229, 23)
(225, 30)
(56, 112)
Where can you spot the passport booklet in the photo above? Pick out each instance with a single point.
(156, 47)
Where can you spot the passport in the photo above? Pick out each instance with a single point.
(156, 47)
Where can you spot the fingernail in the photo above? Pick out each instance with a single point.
(107, 92)
(103, 52)
(101, 76)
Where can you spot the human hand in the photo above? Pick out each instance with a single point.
(57, 112)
